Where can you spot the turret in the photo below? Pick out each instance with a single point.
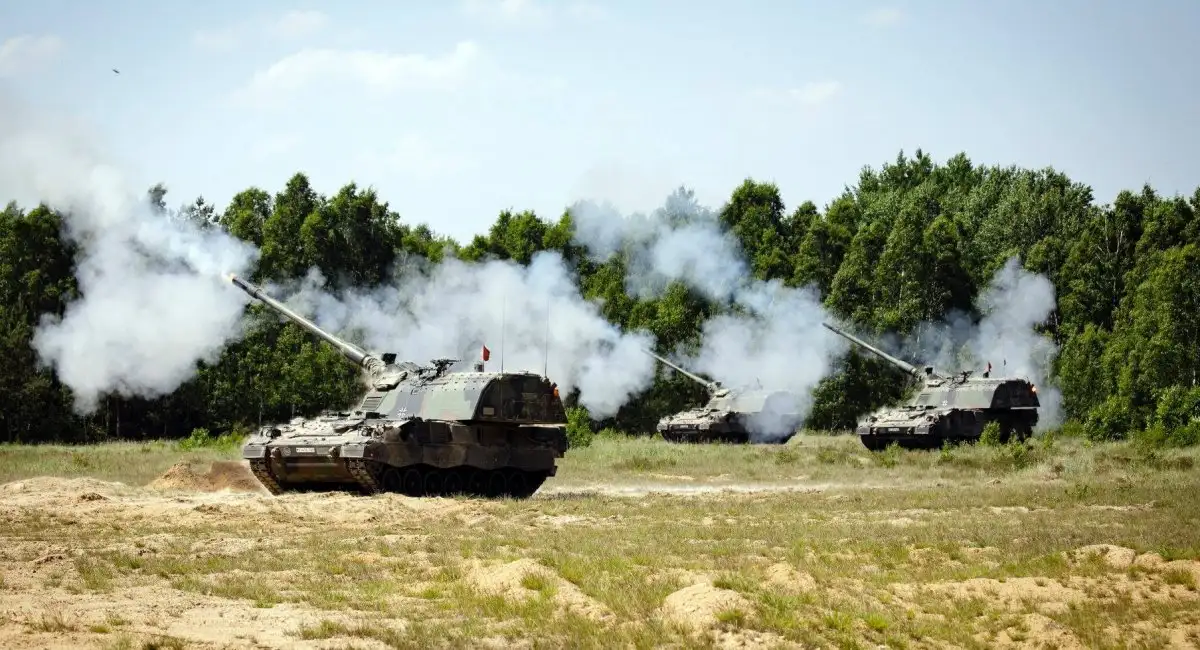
(714, 387)
(372, 364)
(906, 367)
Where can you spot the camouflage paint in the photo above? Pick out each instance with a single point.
(419, 430)
(732, 415)
(949, 408)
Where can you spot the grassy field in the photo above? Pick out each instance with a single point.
(636, 543)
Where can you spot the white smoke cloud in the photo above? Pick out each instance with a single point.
(680, 241)
(530, 318)
(777, 345)
(1014, 303)
(153, 298)
(771, 339)
(156, 299)
(1011, 306)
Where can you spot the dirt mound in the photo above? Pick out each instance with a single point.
(222, 475)
(1117, 557)
(1039, 632)
(43, 491)
(137, 616)
(54, 484)
(785, 577)
(702, 606)
(1013, 593)
(526, 578)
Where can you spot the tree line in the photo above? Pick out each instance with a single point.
(909, 242)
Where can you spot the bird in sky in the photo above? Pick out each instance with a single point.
(116, 71)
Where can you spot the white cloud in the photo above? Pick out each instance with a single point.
(531, 12)
(373, 69)
(218, 40)
(275, 145)
(291, 25)
(414, 156)
(297, 24)
(884, 16)
(586, 10)
(521, 11)
(815, 93)
(809, 97)
(19, 54)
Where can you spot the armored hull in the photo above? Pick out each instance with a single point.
(701, 425)
(412, 457)
(418, 430)
(923, 427)
(950, 408)
(731, 415)
(735, 418)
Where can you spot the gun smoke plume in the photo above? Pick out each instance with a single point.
(1012, 305)
(682, 240)
(153, 299)
(156, 299)
(771, 339)
(530, 318)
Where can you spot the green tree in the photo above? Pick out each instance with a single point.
(910, 241)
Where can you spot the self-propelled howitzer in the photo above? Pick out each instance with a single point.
(949, 408)
(418, 430)
(372, 365)
(739, 416)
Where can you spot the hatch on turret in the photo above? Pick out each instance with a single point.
(518, 398)
(979, 394)
(523, 398)
(1015, 393)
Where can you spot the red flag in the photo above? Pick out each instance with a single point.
(487, 354)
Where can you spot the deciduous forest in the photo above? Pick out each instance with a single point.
(908, 242)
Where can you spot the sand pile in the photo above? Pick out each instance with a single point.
(702, 605)
(47, 491)
(526, 578)
(222, 475)
(56, 485)
(1121, 558)
(787, 578)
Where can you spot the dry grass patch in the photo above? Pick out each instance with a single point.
(818, 542)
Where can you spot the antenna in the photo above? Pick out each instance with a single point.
(546, 342)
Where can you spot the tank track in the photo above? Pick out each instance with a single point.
(425, 480)
(1009, 431)
(430, 481)
(365, 471)
(706, 438)
(262, 471)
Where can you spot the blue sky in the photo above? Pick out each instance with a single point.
(458, 109)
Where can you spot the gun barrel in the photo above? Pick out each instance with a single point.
(907, 367)
(711, 385)
(356, 356)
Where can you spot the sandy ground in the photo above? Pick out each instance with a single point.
(88, 563)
